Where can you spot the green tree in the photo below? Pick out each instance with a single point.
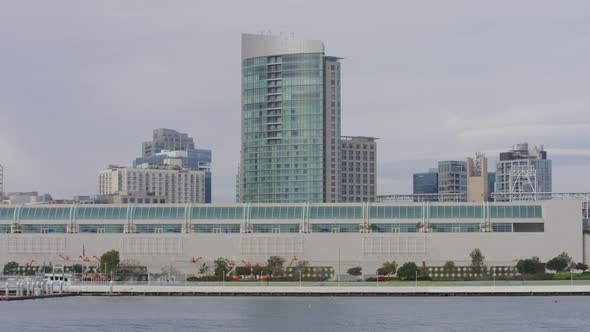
(530, 266)
(407, 271)
(11, 268)
(390, 267)
(559, 263)
(109, 261)
(477, 261)
(276, 265)
(355, 271)
(374, 228)
(77, 268)
(204, 268)
(449, 267)
(220, 267)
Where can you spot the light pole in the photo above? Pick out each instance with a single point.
(338, 267)
(299, 278)
(377, 277)
(416, 278)
(494, 274)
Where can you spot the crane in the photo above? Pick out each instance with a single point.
(195, 260)
(295, 258)
(31, 262)
(85, 259)
(96, 258)
(246, 263)
(65, 258)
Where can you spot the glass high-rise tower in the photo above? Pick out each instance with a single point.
(290, 121)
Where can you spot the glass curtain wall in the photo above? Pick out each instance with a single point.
(282, 128)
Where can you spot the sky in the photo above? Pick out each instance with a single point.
(83, 83)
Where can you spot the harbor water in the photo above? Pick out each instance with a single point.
(121, 313)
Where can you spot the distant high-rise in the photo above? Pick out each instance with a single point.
(290, 150)
(358, 169)
(477, 178)
(452, 177)
(191, 159)
(523, 169)
(167, 139)
(176, 184)
(425, 183)
(491, 185)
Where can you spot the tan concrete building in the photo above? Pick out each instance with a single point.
(477, 178)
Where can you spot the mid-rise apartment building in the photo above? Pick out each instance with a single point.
(176, 184)
(358, 169)
(452, 177)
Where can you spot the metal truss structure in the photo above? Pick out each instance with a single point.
(422, 198)
(540, 196)
(523, 179)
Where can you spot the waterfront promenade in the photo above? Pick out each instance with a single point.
(330, 290)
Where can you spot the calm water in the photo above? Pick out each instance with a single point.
(297, 314)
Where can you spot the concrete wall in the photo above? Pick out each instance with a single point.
(562, 220)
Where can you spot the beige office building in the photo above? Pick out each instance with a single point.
(477, 178)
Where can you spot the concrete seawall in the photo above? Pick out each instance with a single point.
(138, 290)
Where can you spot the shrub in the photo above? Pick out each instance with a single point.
(449, 267)
(220, 267)
(407, 271)
(530, 266)
(559, 263)
(581, 266)
(243, 270)
(11, 268)
(355, 271)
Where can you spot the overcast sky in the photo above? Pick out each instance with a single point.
(83, 83)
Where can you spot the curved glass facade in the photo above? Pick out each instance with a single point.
(283, 128)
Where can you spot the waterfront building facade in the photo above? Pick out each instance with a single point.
(176, 184)
(290, 149)
(339, 235)
(358, 169)
(167, 139)
(524, 169)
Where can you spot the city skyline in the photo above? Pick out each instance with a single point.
(432, 83)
